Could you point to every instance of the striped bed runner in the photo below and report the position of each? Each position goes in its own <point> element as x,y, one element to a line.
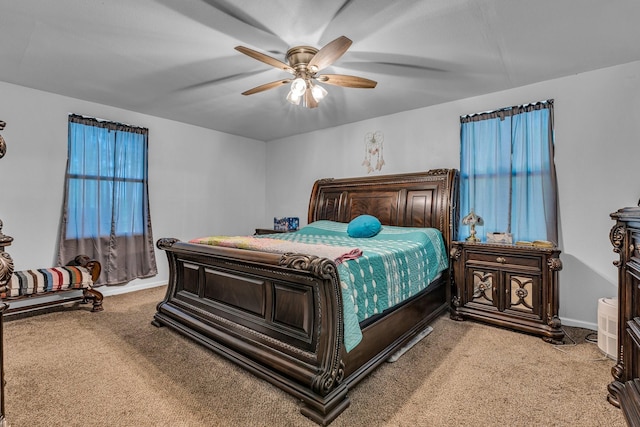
<point>28,282</point>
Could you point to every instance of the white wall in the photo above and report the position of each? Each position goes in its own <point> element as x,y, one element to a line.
<point>201,182</point>
<point>204,182</point>
<point>597,127</point>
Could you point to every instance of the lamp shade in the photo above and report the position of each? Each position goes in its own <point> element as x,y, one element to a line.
<point>318,92</point>
<point>298,86</point>
<point>294,98</point>
<point>472,219</point>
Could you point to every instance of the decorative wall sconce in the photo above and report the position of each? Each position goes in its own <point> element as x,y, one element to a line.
<point>472,220</point>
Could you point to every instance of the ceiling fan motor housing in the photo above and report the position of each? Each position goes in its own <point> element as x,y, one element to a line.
<point>299,57</point>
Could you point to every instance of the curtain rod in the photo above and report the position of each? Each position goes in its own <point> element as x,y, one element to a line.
<point>78,118</point>
<point>508,109</point>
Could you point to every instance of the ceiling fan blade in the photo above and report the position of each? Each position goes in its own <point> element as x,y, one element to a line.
<point>265,58</point>
<point>309,100</point>
<point>329,53</point>
<point>266,86</point>
<point>370,16</point>
<point>394,64</point>
<point>224,79</point>
<point>225,17</point>
<point>347,81</point>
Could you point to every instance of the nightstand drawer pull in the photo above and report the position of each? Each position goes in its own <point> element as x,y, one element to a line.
<point>501,259</point>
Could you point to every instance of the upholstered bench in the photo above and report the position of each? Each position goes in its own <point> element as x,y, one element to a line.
<point>31,290</point>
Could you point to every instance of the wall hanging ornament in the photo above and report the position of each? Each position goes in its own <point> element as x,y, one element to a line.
<point>373,158</point>
<point>3,145</point>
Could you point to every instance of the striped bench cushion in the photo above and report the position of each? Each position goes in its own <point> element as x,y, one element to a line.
<point>29,282</point>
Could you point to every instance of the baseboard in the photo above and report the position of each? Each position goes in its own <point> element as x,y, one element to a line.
<point>117,290</point>
<point>579,324</point>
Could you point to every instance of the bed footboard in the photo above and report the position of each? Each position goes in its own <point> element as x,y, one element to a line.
<point>279,316</point>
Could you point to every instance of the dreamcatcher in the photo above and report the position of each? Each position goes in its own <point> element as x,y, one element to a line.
<point>373,159</point>
<point>3,145</point>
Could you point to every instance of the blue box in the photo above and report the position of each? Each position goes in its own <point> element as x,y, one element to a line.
<point>293,222</point>
<point>287,223</point>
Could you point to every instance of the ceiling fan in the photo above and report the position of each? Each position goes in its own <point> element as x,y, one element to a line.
<point>305,62</point>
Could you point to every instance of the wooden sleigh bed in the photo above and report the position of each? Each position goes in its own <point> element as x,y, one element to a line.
<point>280,315</point>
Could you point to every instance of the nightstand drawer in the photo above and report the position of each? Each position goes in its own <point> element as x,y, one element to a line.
<point>500,258</point>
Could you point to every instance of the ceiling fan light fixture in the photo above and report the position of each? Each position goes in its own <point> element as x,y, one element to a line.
<point>294,98</point>
<point>298,86</point>
<point>318,92</point>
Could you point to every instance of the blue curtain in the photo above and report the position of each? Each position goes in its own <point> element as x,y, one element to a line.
<point>507,172</point>
<point>106,208</point>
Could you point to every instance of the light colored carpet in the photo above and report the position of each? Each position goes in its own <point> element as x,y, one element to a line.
<point>76,368</point>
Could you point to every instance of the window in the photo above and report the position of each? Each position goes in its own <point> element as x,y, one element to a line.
<point>507,173</point>
<point>106,208</point>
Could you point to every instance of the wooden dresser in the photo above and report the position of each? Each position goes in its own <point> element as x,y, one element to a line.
<point>508,285</point>
<point>6,270</point>
<point>624,390</point>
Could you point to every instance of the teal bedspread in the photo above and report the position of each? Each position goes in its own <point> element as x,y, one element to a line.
<point>395,265</point>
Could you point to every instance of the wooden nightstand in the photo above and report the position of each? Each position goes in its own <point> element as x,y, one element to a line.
<point>507,285</point>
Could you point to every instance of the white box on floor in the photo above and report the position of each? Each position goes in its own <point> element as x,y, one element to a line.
<point>608,326</point>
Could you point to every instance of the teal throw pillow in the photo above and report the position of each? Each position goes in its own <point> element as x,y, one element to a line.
<point>364,226</point>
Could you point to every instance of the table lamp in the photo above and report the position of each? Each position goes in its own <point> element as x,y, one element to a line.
<point>471,220</point>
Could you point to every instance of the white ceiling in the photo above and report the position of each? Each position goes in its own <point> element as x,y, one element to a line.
<point>176,59</point>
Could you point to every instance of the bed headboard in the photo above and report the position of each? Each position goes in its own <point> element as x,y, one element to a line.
<point>423,199</point>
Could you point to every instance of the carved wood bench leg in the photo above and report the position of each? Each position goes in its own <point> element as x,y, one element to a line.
<point>95,297</point>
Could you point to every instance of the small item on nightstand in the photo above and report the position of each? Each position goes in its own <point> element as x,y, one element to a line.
<point>287,223</point>
<point>543,244</point>
<point>293,223</point>
<point>471,220</point>
<point>505,238</point>
<point>536,243</point>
